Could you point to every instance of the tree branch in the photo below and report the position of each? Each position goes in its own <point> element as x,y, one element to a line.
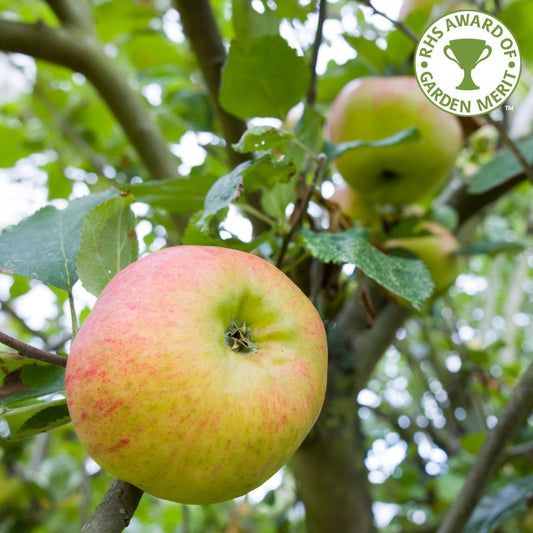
<point>311,93</point>
<point>201,28</point>
<point>511,418</point>
<point>398,24</point>
<point>301,208</point>
<point>26,350</point>
<point>527,168</point>
<point>72,13</point>
<point>79,51</point>
<point>469,205</point>
<point>114,512</point>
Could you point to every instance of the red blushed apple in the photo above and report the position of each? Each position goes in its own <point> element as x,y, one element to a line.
<point>197,374</point>
<point>373,108</point>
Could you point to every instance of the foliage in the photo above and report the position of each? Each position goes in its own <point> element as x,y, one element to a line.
<point>111,119</point>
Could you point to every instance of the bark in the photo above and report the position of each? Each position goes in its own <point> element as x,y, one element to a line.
<point>512,417</point>
<point>116,509</point>
<point>201,29</point>
<point>78,49</point>
<point>329,467</point>
<point>331,477</point>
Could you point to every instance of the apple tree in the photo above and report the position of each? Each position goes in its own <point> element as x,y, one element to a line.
<point>128,126</point>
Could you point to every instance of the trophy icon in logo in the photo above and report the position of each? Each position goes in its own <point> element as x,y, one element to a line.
<point>467,53</point>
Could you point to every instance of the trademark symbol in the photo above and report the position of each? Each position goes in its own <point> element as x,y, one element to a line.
<point>509,107</point>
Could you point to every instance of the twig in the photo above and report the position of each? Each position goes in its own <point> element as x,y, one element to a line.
<point>26,350</point>
<point>528,169</point>
<point>469,205</point>
<point>80,51</point>
<point>311,93</point>
<point>398,24</point>
<point>114,512</point>
<point>302,207</point>
<point>511,418</point>
<point>201,29</point>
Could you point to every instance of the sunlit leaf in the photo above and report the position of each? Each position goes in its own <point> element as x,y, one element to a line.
<point>179,195</point>
<point>108,242</point>
<point>44,246</point>
<point>263,77</point>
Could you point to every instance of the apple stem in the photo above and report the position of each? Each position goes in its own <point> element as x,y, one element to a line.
<point>238,338</point>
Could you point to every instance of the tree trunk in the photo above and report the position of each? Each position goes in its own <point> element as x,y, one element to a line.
<point>332,479</point>
<point>329,467</point>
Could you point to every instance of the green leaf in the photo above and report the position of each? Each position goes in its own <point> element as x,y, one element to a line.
<point>150,49</point>
<point>12,141</point>
<point>22,379</point>
<point>491,248</point>
<point>274,201</point>
<point>44,246</point>
<point>265,172</point>
<point>108,242</point>
<point>247,22</point>
<point>508,502</point>
<point>310,130</point>
<point>223,192</point>
<point>333,151</point>
<point>263,77</point>
<point>407,278</point>
<point>501,168</point>
<point>179,195</point>
<point>262,138</point>
<point>30,420</point>
<point>369,51</point>
<point>473,442</point>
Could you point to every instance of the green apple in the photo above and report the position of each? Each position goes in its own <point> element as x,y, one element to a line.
<point>197,374</point>
<point>434,245</point>
<point>353,205</point>
<point>376,107</point>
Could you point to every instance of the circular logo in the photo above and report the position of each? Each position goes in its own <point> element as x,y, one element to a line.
<point>467,63</point>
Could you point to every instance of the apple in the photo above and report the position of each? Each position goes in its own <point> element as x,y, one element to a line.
<point>434,245</point>
<point>376,107</point>
<point>353,205</point>
<point>197,374</point>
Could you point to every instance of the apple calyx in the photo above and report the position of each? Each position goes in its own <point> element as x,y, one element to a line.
<point>238,338</point>
<point>389,175</point>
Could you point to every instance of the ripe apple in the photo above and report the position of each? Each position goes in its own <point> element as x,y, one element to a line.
<point>376,107</point>
<point>434,245</point>
<point>197,374</point>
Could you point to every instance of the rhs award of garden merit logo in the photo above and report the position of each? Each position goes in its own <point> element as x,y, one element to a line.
<point>467,63</point>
